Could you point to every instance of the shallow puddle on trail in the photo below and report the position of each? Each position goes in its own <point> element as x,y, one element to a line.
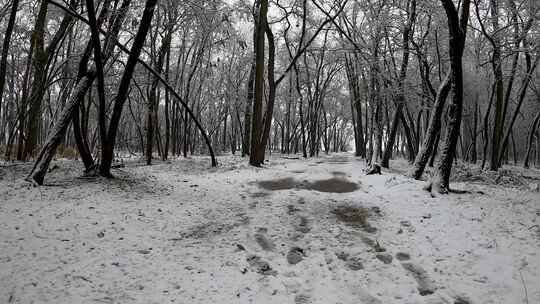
<point>331,185</point>
<point>278,184</point>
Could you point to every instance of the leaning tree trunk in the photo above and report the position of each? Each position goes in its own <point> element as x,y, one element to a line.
<point>433,130</point>
<point>521,98</point>
<point>109,46</point>
<point>457,31</point>
<point>43,56</point>
<point>59,130</point>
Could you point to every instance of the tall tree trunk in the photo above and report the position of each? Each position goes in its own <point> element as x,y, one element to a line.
<point>532,131</point>
<point>81,139</point>
<point>474,135</point>
<point>247,113</point>
<point>39,63</point>
<point>301,110</point>
<point>272,86</point>
<point>167,111</point>
<point>485,131</point>
<point>400,98</point>
<point>153,101</point>
<point>98,61</point>
<point>107,151</point>
<point>257,127</point>
<point>496,62</point>
<point>24,104</point>
<point>376,104</point>
<point>356,108</point>
<point>5,47</point>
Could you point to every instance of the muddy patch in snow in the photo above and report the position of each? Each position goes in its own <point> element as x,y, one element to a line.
<point>278,184</point>
<point>356,217</point>
<point>331,185</point>
<point>353,216</point>
<point>211,229</point>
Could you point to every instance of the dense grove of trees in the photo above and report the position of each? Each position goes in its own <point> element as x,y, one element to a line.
<point>430,81</point>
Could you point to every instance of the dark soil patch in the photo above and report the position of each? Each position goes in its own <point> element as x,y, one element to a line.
<point>352,215</point>
<point>333,185</point>
<point>278,184</point>
<point>207,230</point>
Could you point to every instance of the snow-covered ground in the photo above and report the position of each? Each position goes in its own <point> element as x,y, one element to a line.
<point>296,231</point>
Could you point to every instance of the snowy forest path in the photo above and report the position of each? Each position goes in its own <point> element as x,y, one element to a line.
<point>296,231</point>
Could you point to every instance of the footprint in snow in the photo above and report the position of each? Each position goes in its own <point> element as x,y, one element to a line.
<point>295,255</point>
<point>403,256</point>
<point>302,299</point>
<point>426,285</point>
<point>257,264</point>
<point>263,241</point>
<point>303,225</point>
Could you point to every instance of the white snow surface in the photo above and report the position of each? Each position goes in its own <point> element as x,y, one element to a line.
<point>182,232</point>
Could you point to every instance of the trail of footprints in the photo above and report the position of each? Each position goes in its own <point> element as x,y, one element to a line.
<point>425,285</point>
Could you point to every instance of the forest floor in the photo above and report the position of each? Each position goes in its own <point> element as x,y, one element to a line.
<point>297,231</point>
